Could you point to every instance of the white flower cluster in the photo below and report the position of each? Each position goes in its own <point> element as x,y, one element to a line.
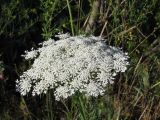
<point>71,64</point>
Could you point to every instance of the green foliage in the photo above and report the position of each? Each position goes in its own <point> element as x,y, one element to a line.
<point>15,18</point>
<point>132,25</point>
<point>48,8</point>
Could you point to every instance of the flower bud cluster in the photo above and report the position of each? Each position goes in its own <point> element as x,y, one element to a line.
<point>72,64</point>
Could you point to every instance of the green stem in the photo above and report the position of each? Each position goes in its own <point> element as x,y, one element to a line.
<point>49,105</point>
<point>155,85</point>
<point>82,108</point>
<point>71,19</point>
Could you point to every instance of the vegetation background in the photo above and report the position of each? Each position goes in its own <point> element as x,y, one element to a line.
<point>133,25</point>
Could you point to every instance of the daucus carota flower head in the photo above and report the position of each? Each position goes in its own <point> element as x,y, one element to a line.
<point>72,64</point>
